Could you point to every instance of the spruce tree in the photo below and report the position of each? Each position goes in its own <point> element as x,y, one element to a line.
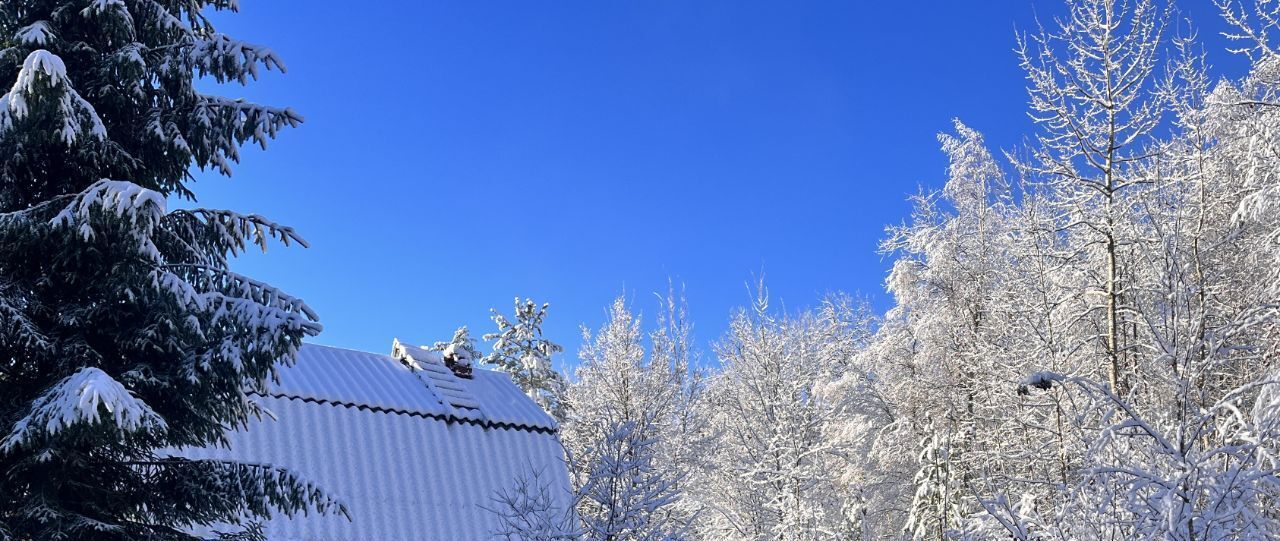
<point>124,334</point>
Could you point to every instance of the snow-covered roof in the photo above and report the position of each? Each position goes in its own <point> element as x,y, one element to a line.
<point>414,453</point>
<point>344,376</point>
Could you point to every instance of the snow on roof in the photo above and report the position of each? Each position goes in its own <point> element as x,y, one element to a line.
<point>414,454</point>
<point>437,374</point>
<point>343,376</point>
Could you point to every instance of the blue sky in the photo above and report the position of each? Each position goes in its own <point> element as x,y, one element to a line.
<point>459,153</point>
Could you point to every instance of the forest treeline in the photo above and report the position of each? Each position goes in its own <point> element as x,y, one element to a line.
<point>1083,341</point>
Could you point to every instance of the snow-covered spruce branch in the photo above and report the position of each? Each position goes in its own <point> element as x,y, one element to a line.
<point>43,83</point>
<point>106,203</point>
<point>225,58</point>
<point>199,233</point>
<point>89,396</point>
<point>16,325</point>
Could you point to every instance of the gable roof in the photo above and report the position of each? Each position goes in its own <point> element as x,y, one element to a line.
<point>381,382</point>
<point>414,453</point>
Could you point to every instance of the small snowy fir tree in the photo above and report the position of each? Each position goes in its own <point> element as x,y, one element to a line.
<point>123,330</point>
<point>460,349</point>
<point>520,350</point>
<point>934,510</point>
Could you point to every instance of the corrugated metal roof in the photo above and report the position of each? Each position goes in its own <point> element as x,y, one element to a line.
<point>402,477</point>
<point>409,464</point>
<point>344,376</point>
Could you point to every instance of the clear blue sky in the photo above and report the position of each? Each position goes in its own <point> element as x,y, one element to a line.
<point>459,153</point>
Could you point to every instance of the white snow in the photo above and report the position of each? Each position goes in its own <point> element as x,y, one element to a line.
<point>83,397</point>
<point>74,110</point>
<point>459,354</point>
<point>98,7</point>
<point>121,197</point>
<point>37,33</point>
<point>41,62</point>
<point>142,207</point>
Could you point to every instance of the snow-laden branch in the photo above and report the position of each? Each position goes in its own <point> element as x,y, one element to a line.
<point>43,76</point>
<point>89,396</point>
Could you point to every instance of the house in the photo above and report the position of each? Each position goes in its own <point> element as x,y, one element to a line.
<point>415,445</point>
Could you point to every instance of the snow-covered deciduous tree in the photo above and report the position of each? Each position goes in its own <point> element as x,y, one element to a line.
<point>626,494</point>
<point>123,330</point>
<point>520,349</point>
<point>531,510</point>
<point>1097,359</point>
<point>1091,83</point>
<point>773,469</point>
<point>627,417</point>
<point>686,434</point>
<point>925,378</point>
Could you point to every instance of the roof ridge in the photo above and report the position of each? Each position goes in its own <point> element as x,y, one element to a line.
<point>476,366</point>
<point>327,346</point>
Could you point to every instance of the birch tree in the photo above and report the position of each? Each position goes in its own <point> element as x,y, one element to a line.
<point>1090,83</point>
